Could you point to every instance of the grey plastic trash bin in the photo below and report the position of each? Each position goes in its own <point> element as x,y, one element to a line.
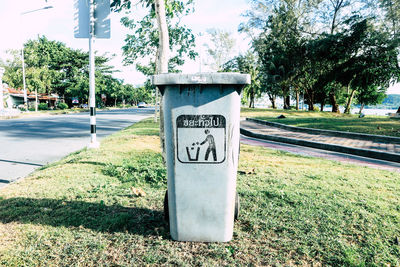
<point>202,130</point>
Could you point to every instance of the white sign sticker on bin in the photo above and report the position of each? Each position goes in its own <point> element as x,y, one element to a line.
<point>201,139</point>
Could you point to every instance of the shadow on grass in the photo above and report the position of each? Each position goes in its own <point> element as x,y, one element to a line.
<point>95,163</point>
<point>95,216</point>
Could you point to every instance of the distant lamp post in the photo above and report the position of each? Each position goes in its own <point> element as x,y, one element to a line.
<point>23,61</point>
<point>1,89</point>
<point>200,50</point>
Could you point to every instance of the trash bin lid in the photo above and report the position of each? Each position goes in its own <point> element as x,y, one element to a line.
<point>201,78</point>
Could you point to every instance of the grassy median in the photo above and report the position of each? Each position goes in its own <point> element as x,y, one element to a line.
<point>104,208</point>
<point>379,125</point>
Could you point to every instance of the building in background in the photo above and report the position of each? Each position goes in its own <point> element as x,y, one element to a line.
<point>15,98</point>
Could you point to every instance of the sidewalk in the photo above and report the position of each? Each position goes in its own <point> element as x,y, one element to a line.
<point>378,147</point>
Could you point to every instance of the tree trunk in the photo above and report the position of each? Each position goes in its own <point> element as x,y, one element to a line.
<point>310,106</point>
<point>163,45</point>
<point>115,102</point>
<point>322,106</point>
<point>348,104</point>
<point>310,100</point>
<point>272,99</point>
<point>49,103</point>
<point>162,60</point>
<point>335,106</point>
<point>297,99</point>
<point>273,102</point>
<point>398,110</point>
<point>251,104</point>
<point>361,108</point>
<point>286,102</point>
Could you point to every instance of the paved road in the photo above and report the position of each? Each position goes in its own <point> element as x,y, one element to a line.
<point>28,143</point>
<point>307,151</point>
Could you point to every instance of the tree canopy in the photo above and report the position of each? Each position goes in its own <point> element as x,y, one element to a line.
<point>141,44</point>
<point>333,51</point>
<point>52,67</point>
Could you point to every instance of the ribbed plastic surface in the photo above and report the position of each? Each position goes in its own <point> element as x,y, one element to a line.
<point>201,78</point>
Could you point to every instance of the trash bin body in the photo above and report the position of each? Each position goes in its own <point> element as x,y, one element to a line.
<point>202,130</point>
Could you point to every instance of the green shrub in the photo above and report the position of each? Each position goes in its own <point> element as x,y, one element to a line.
<point>43,106</point>
<point>62,106</point>
<point>144,168</point>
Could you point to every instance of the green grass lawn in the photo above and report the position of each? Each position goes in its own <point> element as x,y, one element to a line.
<point>104,208</point>
<point>380,125</point>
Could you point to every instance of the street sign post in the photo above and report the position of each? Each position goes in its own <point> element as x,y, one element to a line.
<point>1,88</point>
<point>101,15</point>
<point>92,21</point>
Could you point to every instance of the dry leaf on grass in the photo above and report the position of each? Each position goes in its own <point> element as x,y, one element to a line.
<point>252,171</point>
<point>138,192</point>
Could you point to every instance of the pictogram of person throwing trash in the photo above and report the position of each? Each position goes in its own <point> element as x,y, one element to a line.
<point>211,145</point>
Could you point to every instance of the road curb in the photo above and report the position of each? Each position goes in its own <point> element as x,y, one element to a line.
<point>336,148</point>
<point>368,137</point>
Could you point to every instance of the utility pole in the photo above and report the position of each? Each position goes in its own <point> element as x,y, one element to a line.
<point>200,51</point>
<point>92,87</point>
<point>23,62</point>
<point>23,80</point>
<point>1,89</point>
<point>92,21</point>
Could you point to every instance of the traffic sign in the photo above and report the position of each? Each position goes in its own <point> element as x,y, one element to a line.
<point>101,19</point>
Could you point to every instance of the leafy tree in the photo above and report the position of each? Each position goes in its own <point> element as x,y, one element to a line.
<point>52,67</point>
<point>261,10</point>
<point>391,20</point>
<point>270,83</point>
<point>148,40</point>
<point>391,12</point>
<point>336,17</point>
<point>143,42</point>
<point>331,14</point>
<point>360,59</point>
<point>279,49</point>
<point>47,58</point>
<point>113,88</point>
<point>220,48</point>
<point>13,69</point>
<point>247,64</point>
<point>157,41</point>
<point>139,94</point>
<point>317,31</point>
<point>370,95</point>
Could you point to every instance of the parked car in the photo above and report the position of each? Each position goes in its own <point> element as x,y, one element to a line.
<point>141,105</point>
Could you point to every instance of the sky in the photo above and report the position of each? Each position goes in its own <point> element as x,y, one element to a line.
<point>57,24</point>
